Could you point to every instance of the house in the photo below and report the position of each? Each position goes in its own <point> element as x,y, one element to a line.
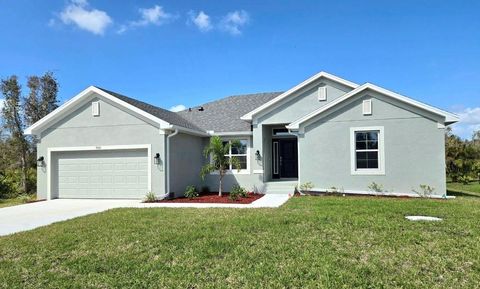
<point>326,130</point>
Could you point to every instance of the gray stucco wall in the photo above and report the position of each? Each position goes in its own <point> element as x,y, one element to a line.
<point>114,126</point>
<point>186,161</point>
<point>302,103</point>
<point>414,148</point>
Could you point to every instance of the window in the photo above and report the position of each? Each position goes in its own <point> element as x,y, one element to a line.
<point>367,150</point>
<point>280,132</point>
<point>242,154</point>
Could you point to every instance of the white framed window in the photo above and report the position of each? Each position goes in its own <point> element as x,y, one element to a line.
<point>242,153</point>
<point>367,150</point>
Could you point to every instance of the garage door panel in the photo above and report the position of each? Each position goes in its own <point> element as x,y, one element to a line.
<point>102,174</point>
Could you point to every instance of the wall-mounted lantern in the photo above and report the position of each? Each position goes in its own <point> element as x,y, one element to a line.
<point>156,159</point>
<point>41,162</point>
<point>257,155</point>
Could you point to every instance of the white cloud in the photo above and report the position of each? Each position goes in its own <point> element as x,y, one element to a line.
<point>201,20</point>
<point>234,21</point>
<point>2,103</point>
<point>79,12</point>
<point>178,107</point>
<point>469,122</point>
<point>155,15</point>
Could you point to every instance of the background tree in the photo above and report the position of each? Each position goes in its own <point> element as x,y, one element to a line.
<point>13,123</point>
<point>217,150</point>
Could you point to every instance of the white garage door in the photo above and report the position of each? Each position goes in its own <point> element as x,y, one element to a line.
<point>102,174</point>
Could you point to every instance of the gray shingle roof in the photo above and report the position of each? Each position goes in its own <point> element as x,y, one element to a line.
<point>221,115</point>
<point>166,115</point>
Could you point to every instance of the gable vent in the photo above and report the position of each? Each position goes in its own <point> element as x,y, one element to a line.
<point>322,93</point>
<point>96,108</point>
<point>367,107</point>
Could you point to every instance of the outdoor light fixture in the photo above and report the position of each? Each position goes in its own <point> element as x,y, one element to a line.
<point>257,155</point>
<point>156,159</point>
<point>41,162</point>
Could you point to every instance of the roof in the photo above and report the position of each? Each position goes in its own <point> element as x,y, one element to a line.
<point>224,115</point>
<point>449,117</point>
<point>322,74</point>
<point>166,115</point>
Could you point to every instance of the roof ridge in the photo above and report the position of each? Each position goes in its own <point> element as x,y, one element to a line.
<point>230,97</point>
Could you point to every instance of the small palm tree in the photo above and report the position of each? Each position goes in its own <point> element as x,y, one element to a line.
<point>218,150</point>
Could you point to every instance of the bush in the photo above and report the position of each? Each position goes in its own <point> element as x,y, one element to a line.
<point>237,192</point>
<point>26,198</point>
<point>306,187</point>
<point>191,192</point>
<point>464,179</point>
<point>205,190</point>
<point>150,197</point>
<point>374,187</point>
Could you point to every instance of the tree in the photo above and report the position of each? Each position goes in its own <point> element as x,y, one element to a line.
<point>13,123</point>
<point>217,150</point>
<point>42,98</point>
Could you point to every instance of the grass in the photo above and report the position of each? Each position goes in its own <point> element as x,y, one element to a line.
<point>335,242</point>
<point>472,188</point>
<point>10,202</point>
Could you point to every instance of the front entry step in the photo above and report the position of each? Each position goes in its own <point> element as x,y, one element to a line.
<point>280,187</point>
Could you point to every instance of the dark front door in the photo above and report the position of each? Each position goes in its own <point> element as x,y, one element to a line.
<point>285,158</point>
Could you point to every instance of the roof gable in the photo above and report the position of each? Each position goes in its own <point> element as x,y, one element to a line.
<point>449,117</point>
<point>249,116</point>
<point>164,119</point>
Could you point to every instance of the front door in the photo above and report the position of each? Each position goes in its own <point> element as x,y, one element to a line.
<point>285,159</point>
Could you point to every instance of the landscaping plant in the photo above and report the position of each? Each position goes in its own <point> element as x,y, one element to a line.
<point>306,187</point>
<point>150,197</point>
<point>190,192</point>
<point>217,150</point>
<point>237,192</point>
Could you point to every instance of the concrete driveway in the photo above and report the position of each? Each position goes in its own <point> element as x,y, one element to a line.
<point>30,216</point>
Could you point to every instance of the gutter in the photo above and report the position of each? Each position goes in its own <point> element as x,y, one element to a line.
<point>167,167</point>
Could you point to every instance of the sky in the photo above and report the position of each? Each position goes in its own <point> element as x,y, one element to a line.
<point>176,54</point>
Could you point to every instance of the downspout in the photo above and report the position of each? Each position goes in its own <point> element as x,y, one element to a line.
<point>167,167</point>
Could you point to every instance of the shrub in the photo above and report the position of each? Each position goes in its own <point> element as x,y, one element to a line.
<point>464,179</point>
<point>237,192</point>
<point>425,191</point>
<point>26,198</point>
<point>374,187</point>
<point>205,190</point>
<point>306,187</point>
<point>150,197</point>
<point>190,192</point>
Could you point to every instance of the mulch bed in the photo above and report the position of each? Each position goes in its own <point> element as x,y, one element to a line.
<point>214,198</point>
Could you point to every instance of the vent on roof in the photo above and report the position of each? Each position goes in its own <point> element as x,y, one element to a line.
<point>322,93</point>
<point>367,107</point>
<point>96,108</point>
<point>201,108</point>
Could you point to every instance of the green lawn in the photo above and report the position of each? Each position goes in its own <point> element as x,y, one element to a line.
<point>334,242</point>
<point>472,188</point>
<point>10,202</point>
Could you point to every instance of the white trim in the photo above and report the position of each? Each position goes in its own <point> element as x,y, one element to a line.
<point>96,148</point>
<point>449,117</point>
<point>275,157</point>
<point>258,171</point>
<point>381,151</point>
<point>323,74</point>
<point>229,133</point>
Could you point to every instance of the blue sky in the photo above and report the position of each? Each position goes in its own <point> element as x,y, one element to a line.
<point>172,53</point>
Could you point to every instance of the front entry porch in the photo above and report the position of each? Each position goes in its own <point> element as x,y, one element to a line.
<point>284,159</point>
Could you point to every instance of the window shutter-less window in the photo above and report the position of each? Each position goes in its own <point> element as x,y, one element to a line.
<point>367,107</point>
<point>322,93</point>
<point>96,108</point>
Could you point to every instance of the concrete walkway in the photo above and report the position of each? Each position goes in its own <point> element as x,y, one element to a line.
<point>30,216</point>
